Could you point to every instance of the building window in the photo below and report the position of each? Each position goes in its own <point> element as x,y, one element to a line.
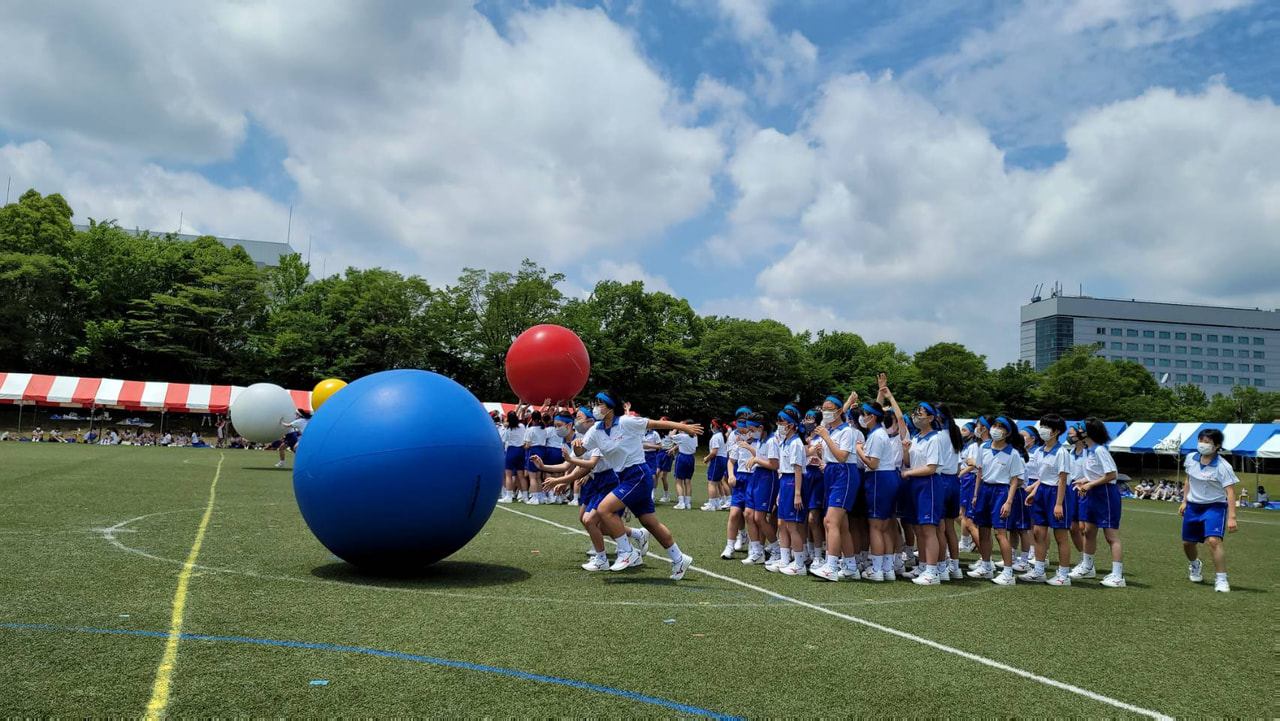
<point>1257,340</point>
<point>1259,369</point>
<point>1164,362</point>
<point>1148,334</point>
<point>1212,338</point>
<point>1211,351</point>
<point>1195,336</point>
<point>1197,350</point>
<point>1180,364</point>
<point>1165,349</point>
<point>1131,332</point>
<point>1197,364</point>
<point>1259,382</point>
<point>1116,331</point>
<point>1149,362</point>
<point>1180,350</point>
<point>1228,380</point>
<point>1228,353</point>
<point>1116,359</point>
<point>1211,365</point>
<point>1102,331</point>
<point>1181,377</point>
<point>1197,378</point>
<point>1054,336</point>
<point>1213,380</point>
<point>1227,339</point>
<point>1149,347</point>
<point>1131,346</point>
<point>1117,346</point>
<point>1228,366</point>
<point>1164,334</point>
<point>1243,340</point>
<point>1259,355</point>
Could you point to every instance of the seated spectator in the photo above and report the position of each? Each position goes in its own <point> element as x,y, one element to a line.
<point>90,437</point>
<point>166,439</point>
<point>37,435</point>
<point>4,436</point>
<point>1263,498</point>
<point>55,436</point>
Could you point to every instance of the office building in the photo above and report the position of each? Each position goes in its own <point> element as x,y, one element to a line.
<point>265,253</point>
<point>1210,347</point>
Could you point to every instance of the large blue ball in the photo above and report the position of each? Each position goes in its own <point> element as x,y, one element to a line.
<point>398,470</point>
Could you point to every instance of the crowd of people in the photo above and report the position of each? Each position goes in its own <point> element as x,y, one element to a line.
<point>854,490</point>
<point>222,436</point>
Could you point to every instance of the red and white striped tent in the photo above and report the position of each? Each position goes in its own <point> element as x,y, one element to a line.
<point>70,391</point>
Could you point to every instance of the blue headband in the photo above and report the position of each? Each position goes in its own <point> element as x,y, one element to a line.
<point>750,424</point>
<point>742,410</point>
<point>835,400</point>
<point>871,411</point>
<point>983,421</point>
<point>564,419</point>
<point>587,412</point>
<point>970,426</point>
<point>607,400</point>
<point>930,409</point>
<point>789,415</point>
<point>1006,423</point>
<point>811,414</point>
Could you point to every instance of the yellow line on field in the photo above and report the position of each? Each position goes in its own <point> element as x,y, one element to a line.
<point>164,673</point>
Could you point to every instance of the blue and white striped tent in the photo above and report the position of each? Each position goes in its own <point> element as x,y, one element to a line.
<point>1261,440</point>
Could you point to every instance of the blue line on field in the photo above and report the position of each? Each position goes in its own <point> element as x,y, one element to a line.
<point>694,710</point>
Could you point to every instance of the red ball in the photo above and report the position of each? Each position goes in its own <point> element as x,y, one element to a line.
<point>547,361</point>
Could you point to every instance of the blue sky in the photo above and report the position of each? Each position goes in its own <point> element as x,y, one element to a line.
<point>810,161</point>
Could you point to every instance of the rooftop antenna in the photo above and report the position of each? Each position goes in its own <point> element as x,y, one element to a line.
<point>308,250</point>
<point>288,233</point>
<point>180,217</point>
<point>6,189</point>
<point>1035,292</point>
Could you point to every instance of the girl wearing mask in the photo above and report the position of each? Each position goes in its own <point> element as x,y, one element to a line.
<point>950,444</point>
<point>1101,509</point>
<point>1023,538</point>
<point>1002,466</point>
<point>792,501</point>
<point>761,465</point>
<point>1050,512</point>
<point>923,461</point>
<point>881,492</point>
<point>535,440</point>
<point>968,474</point>
<point>736,532</point>
<point>842,480</point>
<point>513,434</point>
<point>1208,507</point>
<point>815,549</point>
<point>716,470</point>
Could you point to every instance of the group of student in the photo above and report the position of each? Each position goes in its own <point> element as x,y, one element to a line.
<point>859,490</point>
<point>1148,489</point>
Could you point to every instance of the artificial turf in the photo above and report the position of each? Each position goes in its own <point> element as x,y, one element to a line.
<point>513,606</point>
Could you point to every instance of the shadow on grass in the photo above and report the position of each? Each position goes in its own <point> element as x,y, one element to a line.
<point>269,469</point>
<point>437,576</point>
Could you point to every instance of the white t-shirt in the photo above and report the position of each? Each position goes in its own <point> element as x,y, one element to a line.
<point>894,453</point>
<point>925,452</point>
<point>715,443</point>
<point>879,446</point>
<point>297,424</point>
<point>948,457</point>
<point>792,456</point>
<point>843,437</point>
<point>1209,483</point>
<point>513,437</point>
<point>1002,466</point>
<point>622,443</point>
<point>1098,463</point>
<point>1052,463</point>
<point>667,442</point>
<point>685,443</point>
<point>1033,465</point>
<point>535,436</point>
<point>768,450</point>
<point>602,464</point>
<point>740,454</point>
<point>653,438</point>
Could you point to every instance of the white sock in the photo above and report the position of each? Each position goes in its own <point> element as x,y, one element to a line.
<point>1117,569</point>
<point>1220,576</point>
<point>833,561</point>
<point>756,549</point>
<point>601,557</point>
<point>786,556</point>
<point>596,550</point>
<point>1039,568</point>
<point>851,564</point>
<point>1008,570</point>
<point>800,558</point>
<point>624,545</point>
<point>674,553</point>
<point>1063,571</point>
<point>635,533</point>
<point>1087,560</point>
<point>877,564</point>
<point>1022,557</point>
<point>742,535</point>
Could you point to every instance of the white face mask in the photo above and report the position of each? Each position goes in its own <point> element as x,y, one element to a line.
<point>598,411</point>
<point>756,434</point>
<point>865,421</point>
<point>562,431</point>
<point>1046,435</point>
<point>997,434</point>
<point>1204,447</point>
<point>582,426</point>
<point>828,417</point>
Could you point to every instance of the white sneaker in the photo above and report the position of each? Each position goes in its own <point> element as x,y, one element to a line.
<point>873,575</point>
<point>678,569</point>
<point>1004,579</point>
<point>595,564</point>
<point>574,502</point>
<point>792,569</point>
<point>533,501</point>
<point>1194,571</point>
<point>956,574</point>
<point>944,576</point>
<point>1113,582</point>
<point>845,573</point>
<point>981,573</point>
<point>757,560</point>
<point>1021,566</point>
<point>727,553</point>
<point>1221,586</point>
<point>1081,572</point>
<point>665,498</point>
<point>626,561</point>
<point>739,544</point>
<point>642,545</point>
<point>914,573</point>
<point>1059,580</point>
<point>773,565</point>
<point>975,565</point>
<point>928,578</point>
<point>826,573</point>
<point>504,499</point>
<point>1033,577</point>
<point>890,576</point>
<point>280,464</point>
<point>966,545</point>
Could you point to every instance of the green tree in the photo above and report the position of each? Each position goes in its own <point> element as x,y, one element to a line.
<point>1016,390</point>
<point>951,373</point>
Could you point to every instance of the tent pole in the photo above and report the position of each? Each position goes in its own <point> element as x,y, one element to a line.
<point>19,418</point>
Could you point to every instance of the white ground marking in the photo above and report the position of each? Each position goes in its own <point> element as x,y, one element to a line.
<point>900,634</point>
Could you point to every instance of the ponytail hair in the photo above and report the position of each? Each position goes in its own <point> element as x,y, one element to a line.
<point>949,425</point>
<point>1097,430</point>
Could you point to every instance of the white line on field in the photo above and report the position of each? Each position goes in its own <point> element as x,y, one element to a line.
<point>1175,513</point>
<point>895,632</point>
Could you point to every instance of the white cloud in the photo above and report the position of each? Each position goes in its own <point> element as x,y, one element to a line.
<point>910,227</point>
<point>419,138</point>
<point>627,272</point>
<point>783,61</point>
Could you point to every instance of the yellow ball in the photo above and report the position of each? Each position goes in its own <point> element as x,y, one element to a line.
<point>324,390</point>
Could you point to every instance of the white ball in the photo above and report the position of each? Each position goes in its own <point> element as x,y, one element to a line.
<point>260,410</point>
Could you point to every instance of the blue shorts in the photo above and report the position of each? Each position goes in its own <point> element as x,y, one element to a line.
<point>882,494</point>
<point>1020,514</point>
<point>537,451</point>
<point>817,496</point>
<point>291,440</point>
<point>635,489</point>
<point>786,507</point>
<point>1102,506</point>
<point>651,458</point>
<point>950,495</point>
<point>596,488</point>
<point>515,460</point>
<point>926,491</point>
<point>665,461</point>
<point>717,469</point>
<point>986,512</point>
<point>967,482</point>
<point>684,467</point>
<point>762,494</point>
<point>841,481</point>
<point>905,508</point>
<point>552,455</point>
<point>1204,520</point>
<point>740,492</point>
<point>1042,508</point>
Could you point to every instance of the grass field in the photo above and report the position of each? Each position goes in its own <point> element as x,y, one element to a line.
<point>95,540</point>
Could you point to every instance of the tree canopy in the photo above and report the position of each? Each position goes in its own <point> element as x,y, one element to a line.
<point>106,302</point>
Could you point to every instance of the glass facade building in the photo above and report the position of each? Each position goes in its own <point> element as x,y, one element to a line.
<point>1210,347</point>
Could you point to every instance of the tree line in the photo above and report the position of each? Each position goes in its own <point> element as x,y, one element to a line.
<point>107,302</point>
